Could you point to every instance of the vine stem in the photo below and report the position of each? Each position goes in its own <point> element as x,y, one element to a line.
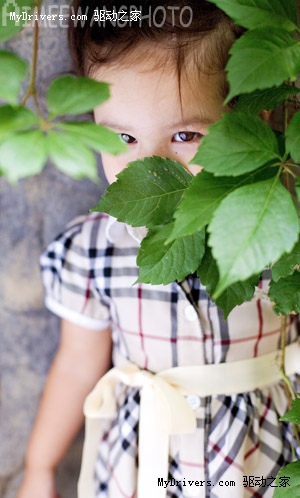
<point>31,89</point>
<point>285,116</point>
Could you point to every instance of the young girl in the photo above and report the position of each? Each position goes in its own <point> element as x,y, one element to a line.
<point>189,409</point>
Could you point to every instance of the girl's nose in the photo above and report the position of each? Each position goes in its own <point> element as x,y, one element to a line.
<point>159,149</point>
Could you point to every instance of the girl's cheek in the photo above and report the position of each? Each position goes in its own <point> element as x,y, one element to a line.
<point>184,153</point>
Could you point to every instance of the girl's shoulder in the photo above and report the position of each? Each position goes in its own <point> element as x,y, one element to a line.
<point>92,236</point>
<point>69,265</point>
<point>80,238</point>
<point>88,230</point>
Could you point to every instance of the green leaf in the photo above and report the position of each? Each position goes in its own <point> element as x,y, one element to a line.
<point>162,264</point>
<point>200,201</point>
<point>286,294</point>
<point>251,228</point>
<point>203,196</point>
<point>71,157</point>
<point>252,14</point>
<point>237,144</point>
<point>237,294</point>
<point>293,137</point>
<point>23,154</point>
<point>288,481</point>
<point>208,271</point>
<point>68,95</point>
<point>15,119</point>
<point>10,26</point>
<point>255,56</point>
<point>293,415</point>
<point>97,137</point>
<point>287,264</point>
<point>268,99</point>
<point>234,295</point>
<point>146,193</point>
<point>13,72</point>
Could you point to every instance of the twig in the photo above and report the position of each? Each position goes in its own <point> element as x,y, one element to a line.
<point>31,89</point>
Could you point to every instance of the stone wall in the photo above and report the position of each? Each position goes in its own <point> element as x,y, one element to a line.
<point>32,213</point>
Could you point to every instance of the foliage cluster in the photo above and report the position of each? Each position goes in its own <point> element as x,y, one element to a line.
<point>28,137</point>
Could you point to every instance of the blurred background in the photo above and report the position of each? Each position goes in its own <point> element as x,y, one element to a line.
<point>32,213</point>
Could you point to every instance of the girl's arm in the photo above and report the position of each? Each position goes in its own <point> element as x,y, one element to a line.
<point>83,356</point>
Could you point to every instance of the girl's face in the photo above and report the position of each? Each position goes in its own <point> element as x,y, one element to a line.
<point>149,114</point>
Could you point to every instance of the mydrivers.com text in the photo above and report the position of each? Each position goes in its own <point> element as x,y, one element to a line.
<point>248,482</point>
<point>49,16</point>
<point>188,483</point>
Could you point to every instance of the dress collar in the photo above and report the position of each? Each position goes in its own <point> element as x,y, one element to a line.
<point>115,229</point>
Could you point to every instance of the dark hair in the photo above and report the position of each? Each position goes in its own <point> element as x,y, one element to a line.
<point>93,43</point>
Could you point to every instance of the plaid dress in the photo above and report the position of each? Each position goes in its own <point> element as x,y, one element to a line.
<point>239,445</point>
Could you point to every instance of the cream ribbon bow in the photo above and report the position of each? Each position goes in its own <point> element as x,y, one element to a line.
<point>164,410</point>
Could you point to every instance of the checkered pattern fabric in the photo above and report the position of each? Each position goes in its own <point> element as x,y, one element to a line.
<point>88,273</point>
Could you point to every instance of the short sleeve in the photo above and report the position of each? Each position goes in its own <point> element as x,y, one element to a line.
<point>68,274</point>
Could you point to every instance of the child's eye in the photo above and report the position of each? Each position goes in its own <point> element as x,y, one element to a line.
<point>128,139</point>
<point>186,136</point>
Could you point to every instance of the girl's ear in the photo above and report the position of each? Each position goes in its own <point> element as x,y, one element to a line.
<point>265,116</point>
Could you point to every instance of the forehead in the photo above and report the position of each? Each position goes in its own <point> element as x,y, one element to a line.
<point>155,90</point>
